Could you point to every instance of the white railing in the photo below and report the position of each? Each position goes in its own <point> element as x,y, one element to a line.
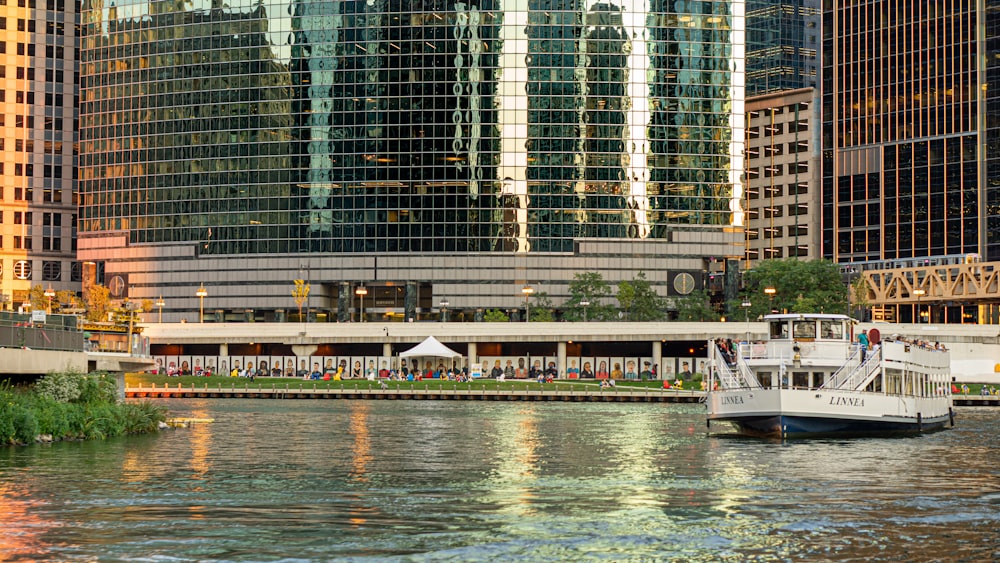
<point>854,375</point>
<point>740,378</point>
<point>844,372</point>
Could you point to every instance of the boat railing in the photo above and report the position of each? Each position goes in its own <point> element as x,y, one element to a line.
<point>845,371</point>
<point>860,376</point>
<point>735,376</point>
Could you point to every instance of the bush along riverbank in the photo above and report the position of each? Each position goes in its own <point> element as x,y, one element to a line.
<point>71,406</point>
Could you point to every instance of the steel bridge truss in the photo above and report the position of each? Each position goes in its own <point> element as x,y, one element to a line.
<point>974,283</point>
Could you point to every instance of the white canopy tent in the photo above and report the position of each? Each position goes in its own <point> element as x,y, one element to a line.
<point>430,348</point>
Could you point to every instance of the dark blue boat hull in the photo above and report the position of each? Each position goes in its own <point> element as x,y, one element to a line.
<point>802,426</point>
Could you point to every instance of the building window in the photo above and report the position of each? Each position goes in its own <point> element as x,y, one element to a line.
<point>51,271</point>
<point>22,270</point>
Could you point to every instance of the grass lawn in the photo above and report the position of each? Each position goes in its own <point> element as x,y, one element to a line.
<point>134,380</point>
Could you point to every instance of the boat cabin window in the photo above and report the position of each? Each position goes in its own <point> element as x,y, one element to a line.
<point>833,330</point>
<point>804,329</point>
<point>779,330</point>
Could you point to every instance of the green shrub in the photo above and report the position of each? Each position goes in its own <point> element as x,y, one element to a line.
<point>63,387</point>
<point>7,414</point>
<point>98,388</point>
<point>25,426</point>
<point>70,406</point>
<point>54,418</point>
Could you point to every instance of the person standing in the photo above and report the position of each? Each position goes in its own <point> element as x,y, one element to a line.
<point>863,344</point>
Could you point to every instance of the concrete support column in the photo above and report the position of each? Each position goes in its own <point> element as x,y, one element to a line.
<point>561,362</point>
<point>658,357</point>
<point>223,349</point>
<point>473,358</point>
<point>387,351</point>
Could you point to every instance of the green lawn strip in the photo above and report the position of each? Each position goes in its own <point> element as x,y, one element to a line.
<point>144,380</point>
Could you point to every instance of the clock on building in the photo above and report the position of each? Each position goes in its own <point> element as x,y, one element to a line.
<point>117,286</point>
<point>684,283</point>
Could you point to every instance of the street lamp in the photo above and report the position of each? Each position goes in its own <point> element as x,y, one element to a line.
<point>527,290</point>
<point>50,293</point>
<point>361,291</point>
<point>129,307</point>
<point>770,291</point>
<point>202,293</point>
<point>585,303</point>
<point>444,309</point>
<point>159,303</point>
<point>746,315</point>
<point>920,293</point>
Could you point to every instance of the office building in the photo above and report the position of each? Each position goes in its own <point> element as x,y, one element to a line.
<point>783,187</point>
<point>909,170</point>
<point>433,152</point>
<point>37,101</point>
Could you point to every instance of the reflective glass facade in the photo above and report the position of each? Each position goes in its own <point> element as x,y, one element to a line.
<point>429,126</point>
<point>907,133</point>
<point>783,41</point>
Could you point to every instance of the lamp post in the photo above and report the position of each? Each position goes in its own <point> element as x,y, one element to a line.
<point>50,293</point>
<point>159,303</point>
<point>920,293</point>
<point>527,290</point>
<point>770,291</point>
<point>444,309</point>
<point>746,315</point>
<point>131,319</point>
<point>585,303</point>
<point>202,293</point>
<point>361,291</point>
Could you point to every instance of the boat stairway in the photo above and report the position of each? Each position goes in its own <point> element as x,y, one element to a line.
<point>732,376</point>
<point>855,375</point>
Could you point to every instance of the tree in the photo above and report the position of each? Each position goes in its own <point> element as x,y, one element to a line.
<point>813,286</point>
<point>639,300</point>
<point>860,296</point>
<point>695,307</point>
<point>98,301</point>
<point>542,310</point>
<point>590,287</point>
<point>495,316</point>
<point>300,294</point>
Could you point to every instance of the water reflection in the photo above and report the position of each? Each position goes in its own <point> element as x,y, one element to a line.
<point>482,482</point>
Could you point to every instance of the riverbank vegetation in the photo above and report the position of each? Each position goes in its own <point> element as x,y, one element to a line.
<point>71,406</point>
<point>137,380</point>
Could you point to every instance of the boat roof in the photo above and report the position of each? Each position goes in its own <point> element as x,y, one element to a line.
<point>805,316</point>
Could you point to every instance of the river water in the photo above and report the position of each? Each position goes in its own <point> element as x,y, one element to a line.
<point>471,481</point>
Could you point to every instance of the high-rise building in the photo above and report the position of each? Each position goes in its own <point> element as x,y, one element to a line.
<point>909,167</point>
<point>783,42</point>
<point>783,188</point>
<point>438,149</point>
<point>37,198</point>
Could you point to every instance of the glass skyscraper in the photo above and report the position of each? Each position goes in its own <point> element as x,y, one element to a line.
<point>426,149</point>
<point>783,42</point>
<point>908,133</point>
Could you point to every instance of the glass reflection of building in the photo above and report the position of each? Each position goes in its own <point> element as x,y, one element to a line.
<point>519,141</point>
<point>783,40</point>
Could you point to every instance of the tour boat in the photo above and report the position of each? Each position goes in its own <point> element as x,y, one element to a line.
<point>810,378</point>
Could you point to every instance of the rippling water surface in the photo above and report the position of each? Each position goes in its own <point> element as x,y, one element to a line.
<point>470,481</point>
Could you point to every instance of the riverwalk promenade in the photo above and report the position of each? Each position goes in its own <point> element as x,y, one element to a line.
<point>404,391</point>
<point>396,391</point>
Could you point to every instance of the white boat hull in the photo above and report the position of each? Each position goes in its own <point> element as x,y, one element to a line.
<point>801,412</point>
